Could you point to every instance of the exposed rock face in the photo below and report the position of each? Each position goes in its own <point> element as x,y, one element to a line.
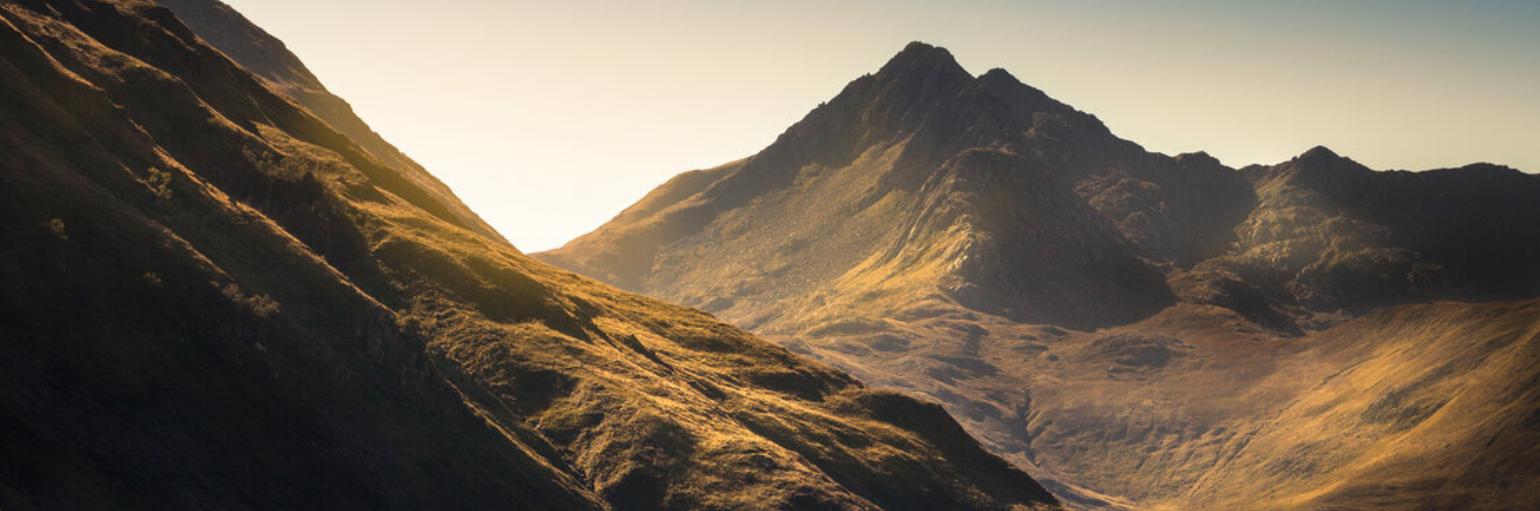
<point>1123,323</point>
<point>214,299</point>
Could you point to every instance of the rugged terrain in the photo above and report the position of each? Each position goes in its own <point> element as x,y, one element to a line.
<point>219,295</point>
<point>1139,330</point>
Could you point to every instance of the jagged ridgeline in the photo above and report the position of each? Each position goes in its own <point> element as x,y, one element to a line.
<point>221,291</point>
<point>923,177</point>
<point>1138,330</point>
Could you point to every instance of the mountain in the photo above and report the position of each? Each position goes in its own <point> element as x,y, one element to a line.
<point>217,298</point>
<point>1133,328</point>
<point>904,186</point>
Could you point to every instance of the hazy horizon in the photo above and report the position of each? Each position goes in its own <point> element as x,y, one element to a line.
<point>549,119</point>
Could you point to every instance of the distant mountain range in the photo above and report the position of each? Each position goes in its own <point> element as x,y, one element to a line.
<point>1141,331</point>
<point>221,290</point>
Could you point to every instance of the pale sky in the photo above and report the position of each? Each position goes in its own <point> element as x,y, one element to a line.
<point>548,118</point>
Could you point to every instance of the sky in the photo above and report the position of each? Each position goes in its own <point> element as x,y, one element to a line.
<point>548,118</point>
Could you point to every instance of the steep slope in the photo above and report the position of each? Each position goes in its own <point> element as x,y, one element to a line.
<point>214,299</point>
<point>267,57</point>
<point>1119,322</point>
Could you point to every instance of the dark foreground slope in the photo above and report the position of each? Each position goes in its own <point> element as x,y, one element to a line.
<point>213,299</point>
<point>1132,327</point>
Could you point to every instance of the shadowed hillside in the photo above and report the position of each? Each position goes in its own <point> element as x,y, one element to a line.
<point>1140,331</point>
<point>265,56</point>
<point>216,299</point>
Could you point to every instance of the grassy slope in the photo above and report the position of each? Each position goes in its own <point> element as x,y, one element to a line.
<point>1428,406</point>
<point>295,325</point>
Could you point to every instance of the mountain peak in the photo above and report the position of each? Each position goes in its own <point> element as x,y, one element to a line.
<point>1202,158</point>
<point>923,48</point>
<point>1319,152</point>
<point>1001,75</point>
<point>924,59</point>
<point>1322,168</point>
<point>1320,160</point>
